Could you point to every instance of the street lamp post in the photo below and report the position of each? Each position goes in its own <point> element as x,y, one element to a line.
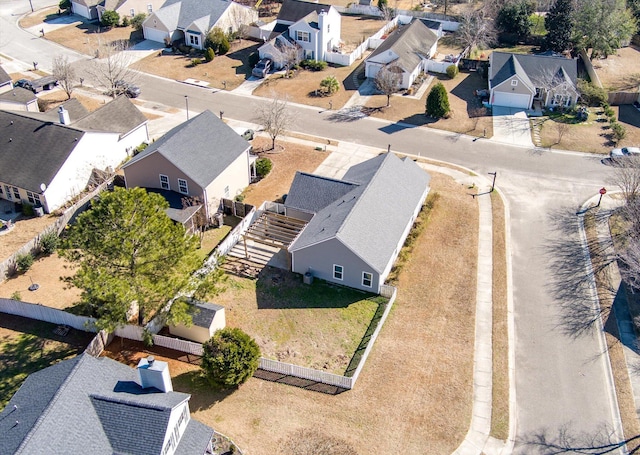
<point>31,5</point>
<point>186,100</point>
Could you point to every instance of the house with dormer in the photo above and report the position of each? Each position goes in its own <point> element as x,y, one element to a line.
<point>313,27</point>
<point>191,20</point>
<point>101,407</point>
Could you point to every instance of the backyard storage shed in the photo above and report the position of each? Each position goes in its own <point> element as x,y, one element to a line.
<point>358,224</point>
<point>207,318</point>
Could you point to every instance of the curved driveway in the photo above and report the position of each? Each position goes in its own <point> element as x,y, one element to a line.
<point>561,382</point>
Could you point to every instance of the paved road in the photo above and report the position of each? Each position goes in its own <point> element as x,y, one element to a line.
<point>560,381</point>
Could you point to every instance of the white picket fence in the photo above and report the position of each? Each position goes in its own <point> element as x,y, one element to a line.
<point>306,373</point>
<point>44,313</point>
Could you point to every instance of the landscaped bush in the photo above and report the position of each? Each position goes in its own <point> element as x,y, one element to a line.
<point>438,102</point>
<point>110,19</point>
<point>229,358</point>
<point>619,131</point>
<point>49,242</point>
<point>209,54</point>
<point>313,65</point>
<point>24,262</point>
<point>263,167</point>
<point>196,61</point>
<point>16,295</point>
<point>64,5</point>
<point>609,112</point>
<point>137,20</point>
<point>27,209</point>
<point>452,71</point>
<point>218,41</point>
<point>590,94</point>
<point>126,21</point>
<point>329,85</point>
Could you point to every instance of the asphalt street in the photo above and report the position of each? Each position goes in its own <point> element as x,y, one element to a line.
<point>562,384</point>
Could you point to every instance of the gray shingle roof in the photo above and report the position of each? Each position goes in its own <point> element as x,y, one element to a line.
<point>411,43</point>
<point>371,218</point>
<point>205,314</point>
<point>535,69</point>
<point>312,193</point>
<point>202,147</point>
<point>191,441</point>
<point>75,109</point>
<point>89,405</point>
<point>119,116</point>
<point>4,76</point>
<point>33,150</point>
<point>294,10</point>
<point>189,11</point>
<point>18,95</point>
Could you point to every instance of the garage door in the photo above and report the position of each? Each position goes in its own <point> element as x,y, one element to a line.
<point>511,100</point>
<point>154,34</point>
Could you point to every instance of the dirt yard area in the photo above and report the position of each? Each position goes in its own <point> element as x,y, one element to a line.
<point>53,99</point>
<point>86,37</point>
<point>27,346</point>
<point>620,72</point>
<point>46,271</point>
<point>468,115</point>
<point>295,157</point>
<point>414,395</point>
<point>303,86</point>
<point>232,68</point>
<point>355,30</point>
<point>594,135</point>
<point>24,230</point>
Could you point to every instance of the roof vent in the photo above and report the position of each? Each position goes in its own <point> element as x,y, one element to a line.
<point>12,122</point>
<point>63,116</point>
<point>154,373</point>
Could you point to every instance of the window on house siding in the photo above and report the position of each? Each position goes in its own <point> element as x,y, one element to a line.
<point>367,279</point>
<point>8,191</point>
<point>338,271</point>
<point>16,193</point>
<point>194,40</point>
<point>226,191</point>
<point>182,186</point>
<point>149,8</point>
<point>514,82</point>
<point>303,36</point>
<point>36,198</point>
<point>164,182</point>
<point>30,198</point>
<point>132,12</point>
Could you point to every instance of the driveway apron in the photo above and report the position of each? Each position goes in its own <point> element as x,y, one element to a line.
<point>511,126</point>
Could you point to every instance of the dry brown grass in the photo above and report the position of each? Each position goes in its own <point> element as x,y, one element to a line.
<point>355,29</point>
<point>39,16</point>
<point>500,403</point>
<point>295,157</point>
<point>415,392</point>
<point>86,37</point>
<point>25,229</point>
<point>53,99</point>
<point>593,135</point>
<point>233,67</point>
<point>301,88</point>
<point>465,117</point>
<point>47,272</point>
<point>620,71</point>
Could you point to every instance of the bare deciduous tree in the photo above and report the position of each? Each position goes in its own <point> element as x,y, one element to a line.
<point>475,30</point>
<point>274,118</point>
<point>561,129</point>
<point>387,80</point>
<point>112,65</point>
<point>308,441</point>
<point>240,19</point>
<point>65,74</point>
<point>627,177</point>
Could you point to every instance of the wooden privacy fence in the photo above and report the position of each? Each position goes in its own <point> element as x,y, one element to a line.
<point>235,208</point>
<point>618,98</point>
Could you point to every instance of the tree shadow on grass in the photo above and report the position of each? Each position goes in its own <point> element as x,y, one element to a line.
<point>203,394</point>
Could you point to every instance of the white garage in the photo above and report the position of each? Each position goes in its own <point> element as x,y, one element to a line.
<point>518,100</point>
<point>154,34</point>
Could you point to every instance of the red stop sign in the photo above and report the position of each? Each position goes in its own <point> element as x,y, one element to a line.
<point>603,191</point>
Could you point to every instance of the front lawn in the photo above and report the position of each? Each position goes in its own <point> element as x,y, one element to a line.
<point>86,37</point>
<point>28,345</point>
<point>223,72</point>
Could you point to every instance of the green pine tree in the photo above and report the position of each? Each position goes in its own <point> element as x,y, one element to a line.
<point>559,25</point>
<point>438,102</point>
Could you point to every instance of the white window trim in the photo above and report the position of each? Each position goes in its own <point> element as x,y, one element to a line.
<point>167,182</point>
<point>370,279</point>
<point>336,272</point>
<point>514,82</point>
<point>301,35</point>
<point>186,186</point>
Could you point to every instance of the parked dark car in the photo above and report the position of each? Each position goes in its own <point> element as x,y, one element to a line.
<point>262,68</point>
<point>44,83</point>
<point>131,90</point>
<point>23,83</point>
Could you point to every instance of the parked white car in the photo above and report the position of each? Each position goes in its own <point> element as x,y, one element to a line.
<point>625,151</point>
